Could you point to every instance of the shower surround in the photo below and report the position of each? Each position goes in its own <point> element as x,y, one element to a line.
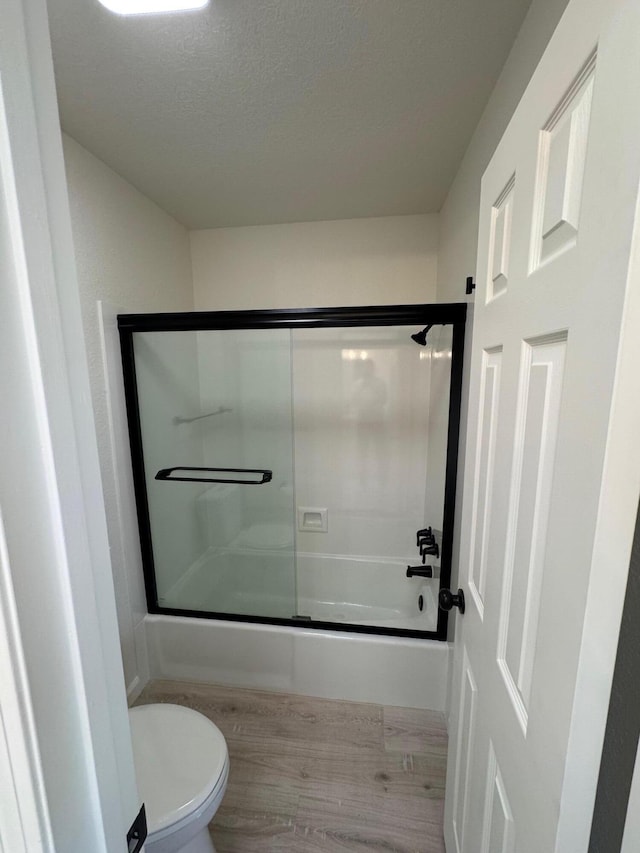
<point>352,430</point>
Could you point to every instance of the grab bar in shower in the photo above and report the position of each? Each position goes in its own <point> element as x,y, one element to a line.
<point>219,411</point>
<point>167,474</point>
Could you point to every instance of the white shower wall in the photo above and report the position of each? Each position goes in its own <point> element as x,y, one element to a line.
<point>361,414</point>
<point>248,373</point>
<point>168,389</point>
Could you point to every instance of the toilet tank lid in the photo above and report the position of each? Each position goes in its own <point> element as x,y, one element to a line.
<point>179,757</point>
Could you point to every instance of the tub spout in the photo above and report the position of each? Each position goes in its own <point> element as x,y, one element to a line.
<point>420,571</point>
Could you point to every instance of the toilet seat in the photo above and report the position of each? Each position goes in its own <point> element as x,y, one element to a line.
<point>181,764</point>
<point>190,822</point>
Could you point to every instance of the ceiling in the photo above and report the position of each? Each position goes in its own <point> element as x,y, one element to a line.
<point>265,111</point>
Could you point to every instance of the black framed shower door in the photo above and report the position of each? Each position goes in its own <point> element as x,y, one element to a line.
<point>134,328</point>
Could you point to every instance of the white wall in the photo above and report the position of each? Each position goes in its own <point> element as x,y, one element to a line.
<point>168,384</point>
<point>360,414</point>
<point>460,213</point>
<point>250,376</point>
<point>134,257</point>
<point>346,262</point>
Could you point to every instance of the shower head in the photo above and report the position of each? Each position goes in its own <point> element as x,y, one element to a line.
<point>421,337</point>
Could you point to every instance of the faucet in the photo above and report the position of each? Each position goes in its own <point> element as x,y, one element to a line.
<point>420,571</point>
<point>426,542</point>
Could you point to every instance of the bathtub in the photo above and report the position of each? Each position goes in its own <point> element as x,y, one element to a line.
<point>388,670</point>
<point>364,591</point>
<point>324,588</point>
<point>330,664</point>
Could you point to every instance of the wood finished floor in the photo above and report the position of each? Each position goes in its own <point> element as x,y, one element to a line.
<point>310,775</point>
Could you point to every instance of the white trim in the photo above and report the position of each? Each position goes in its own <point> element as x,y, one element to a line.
<point>24,816</point>
<point>60,569</point>
<point>124,538</point>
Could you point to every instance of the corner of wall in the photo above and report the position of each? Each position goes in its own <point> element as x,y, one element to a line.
<point>131,254</point>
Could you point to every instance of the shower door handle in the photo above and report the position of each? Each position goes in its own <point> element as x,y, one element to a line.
<point>263,473</point>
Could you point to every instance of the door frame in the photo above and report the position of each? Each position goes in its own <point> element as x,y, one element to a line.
<point>64,732</point>
<point>450,314</point>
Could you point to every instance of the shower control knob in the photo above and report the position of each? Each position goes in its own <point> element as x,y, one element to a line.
<point>430,548</point>
<point>447,600</point>
<point>425,533</point>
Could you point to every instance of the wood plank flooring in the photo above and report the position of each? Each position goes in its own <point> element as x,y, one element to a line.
<point>312,775</point>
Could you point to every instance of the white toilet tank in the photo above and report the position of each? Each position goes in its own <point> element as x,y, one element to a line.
<point>219,511</point>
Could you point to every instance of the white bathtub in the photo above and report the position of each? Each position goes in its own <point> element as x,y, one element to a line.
<point>364,591</point>
<point>335,664</point>
<point>331,664</point>
<point>325,588</point>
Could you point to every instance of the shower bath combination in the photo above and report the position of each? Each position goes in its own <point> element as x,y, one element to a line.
<point>285,461</point>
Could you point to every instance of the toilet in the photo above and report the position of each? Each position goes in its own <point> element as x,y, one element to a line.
<point>182,767</point>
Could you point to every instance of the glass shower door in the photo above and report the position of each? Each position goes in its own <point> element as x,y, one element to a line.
<point>371,414</point>
<point>217,447</point>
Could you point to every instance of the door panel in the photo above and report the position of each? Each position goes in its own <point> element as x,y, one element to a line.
<point>498,828</point>
<point>537,415</point>
<point>500,241</point>
<point>561,162</point>
<point>556,223</point>
<point>466,740</point>
<point>486,439</point>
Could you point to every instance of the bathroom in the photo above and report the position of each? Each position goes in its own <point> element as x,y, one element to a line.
<point>232,323</point>
<point>384,260</point>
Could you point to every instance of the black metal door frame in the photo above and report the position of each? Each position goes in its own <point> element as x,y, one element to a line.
<point>450,314</point>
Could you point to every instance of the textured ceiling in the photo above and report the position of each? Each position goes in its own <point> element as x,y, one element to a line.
<point>266,111</point>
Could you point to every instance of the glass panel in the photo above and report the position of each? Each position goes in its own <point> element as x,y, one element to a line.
<point>371,413</point>
<point>329,440</point>
<point>219,400</point>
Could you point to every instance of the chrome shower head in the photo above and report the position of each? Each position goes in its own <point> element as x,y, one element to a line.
<point>421,337</point>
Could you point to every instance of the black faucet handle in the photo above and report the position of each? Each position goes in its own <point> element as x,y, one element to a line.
<point>430,548</point>
<point>425,533</point>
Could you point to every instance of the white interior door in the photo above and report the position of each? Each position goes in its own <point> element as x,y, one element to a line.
<point>557,218</point>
